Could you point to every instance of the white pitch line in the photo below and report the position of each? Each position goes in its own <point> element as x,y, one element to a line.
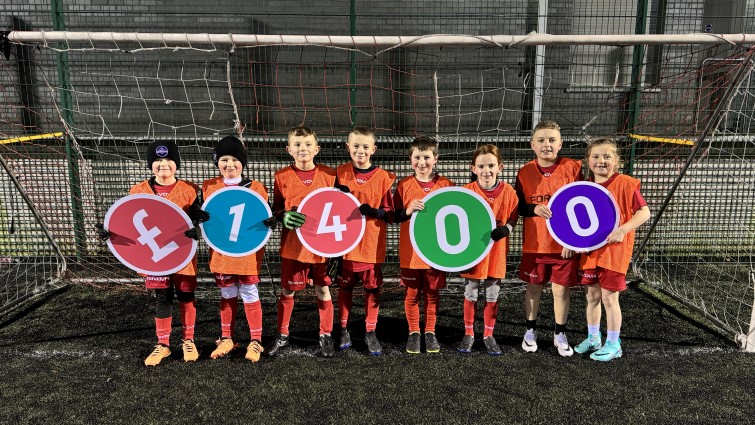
<point>58,353</point>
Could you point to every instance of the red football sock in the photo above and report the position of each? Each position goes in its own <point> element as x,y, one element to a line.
<point>432,300</point>
<point>469,312</point>
<point>490,313</point>
<point>285,307</point>
<point>325,308</point>
<point>228,308</point>
<point>344,305</point>
<point>254,319</point>
<point>372,308</point>
<point>188,317</point>
<point>411,308</point>
<point>162,329</point>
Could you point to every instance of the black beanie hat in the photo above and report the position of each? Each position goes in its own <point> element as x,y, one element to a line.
<point>162,149</point>
<point>230,145</point>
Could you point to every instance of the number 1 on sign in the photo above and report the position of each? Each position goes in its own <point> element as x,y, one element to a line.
<point>336,228</point>
<point>237,211</point>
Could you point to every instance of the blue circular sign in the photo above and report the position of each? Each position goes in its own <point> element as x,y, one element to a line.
<point>235,226</point>
<point>584,214</point>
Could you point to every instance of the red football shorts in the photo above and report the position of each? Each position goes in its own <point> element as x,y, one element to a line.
<point>181,282</point>
<point>371,278</point>
<point>295,275</point>
<point>423,278</point>
<point>224,280</point>
<point>608,279</point>
<point>539,269</point>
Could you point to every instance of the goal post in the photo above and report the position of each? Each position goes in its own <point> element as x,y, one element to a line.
<point>128,89</point>
<point>162,40</point>
<point>30,260</point>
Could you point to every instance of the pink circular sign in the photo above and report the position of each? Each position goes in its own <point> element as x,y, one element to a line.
<point>147,235</point>
<point>334,224</point>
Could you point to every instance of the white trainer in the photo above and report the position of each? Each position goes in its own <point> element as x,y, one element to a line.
<point>529,342</point>
<point>562,345</point>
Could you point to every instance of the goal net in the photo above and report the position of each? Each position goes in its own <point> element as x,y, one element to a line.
<point>681,109</point>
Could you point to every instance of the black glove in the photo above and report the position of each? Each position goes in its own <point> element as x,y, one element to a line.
<point>499,233</point>
<point>196,214</point>
<point>101,232</point>
<point>401,216</point>
<point>270,223</point>
<point>342,188</point>
<point>368,211</point>
<point>192,233</point>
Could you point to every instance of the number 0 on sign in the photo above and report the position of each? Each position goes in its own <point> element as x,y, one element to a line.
<point>584,214</point>
<point>334,225</point>
<point>452,233</point>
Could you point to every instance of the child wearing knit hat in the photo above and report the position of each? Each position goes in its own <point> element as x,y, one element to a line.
<point>163,160</point>
<point>236,275</point>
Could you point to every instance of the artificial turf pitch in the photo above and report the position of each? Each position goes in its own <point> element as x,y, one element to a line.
<point>75,356</point>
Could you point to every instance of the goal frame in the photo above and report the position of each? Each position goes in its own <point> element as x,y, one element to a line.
<point>63,40</point>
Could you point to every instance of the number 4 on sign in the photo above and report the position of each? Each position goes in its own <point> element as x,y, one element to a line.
<point>337,228</point>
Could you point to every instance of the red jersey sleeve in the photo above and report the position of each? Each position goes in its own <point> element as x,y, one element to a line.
<point>637,200</point>
<point>387,205</point>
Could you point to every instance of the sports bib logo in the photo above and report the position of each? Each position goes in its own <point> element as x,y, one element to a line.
<point>452,233</point>
<point>584,214</point>
<point>147,235</point>
<point>334,224</point>
<point>235,226</point>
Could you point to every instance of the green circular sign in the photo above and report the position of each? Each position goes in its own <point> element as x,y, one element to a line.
<point>452,233</point>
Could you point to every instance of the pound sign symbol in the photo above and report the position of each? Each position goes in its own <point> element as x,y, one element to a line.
<point>148,238</point>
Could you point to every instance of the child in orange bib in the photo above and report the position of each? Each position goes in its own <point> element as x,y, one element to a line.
<point>371,185</point>
<point>236,275</point>
<point>420,280</point>
<point>486,165</point>
<point>300,266</point>
<point>163,160</point>
<point>603,270</point>
<point>543,259</point>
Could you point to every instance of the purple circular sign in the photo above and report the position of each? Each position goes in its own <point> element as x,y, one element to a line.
<point>584,214</point>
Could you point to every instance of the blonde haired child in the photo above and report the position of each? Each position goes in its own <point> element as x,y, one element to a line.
<point>603,271</point>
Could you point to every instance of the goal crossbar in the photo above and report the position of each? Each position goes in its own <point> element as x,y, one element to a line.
<point>248,40</point>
